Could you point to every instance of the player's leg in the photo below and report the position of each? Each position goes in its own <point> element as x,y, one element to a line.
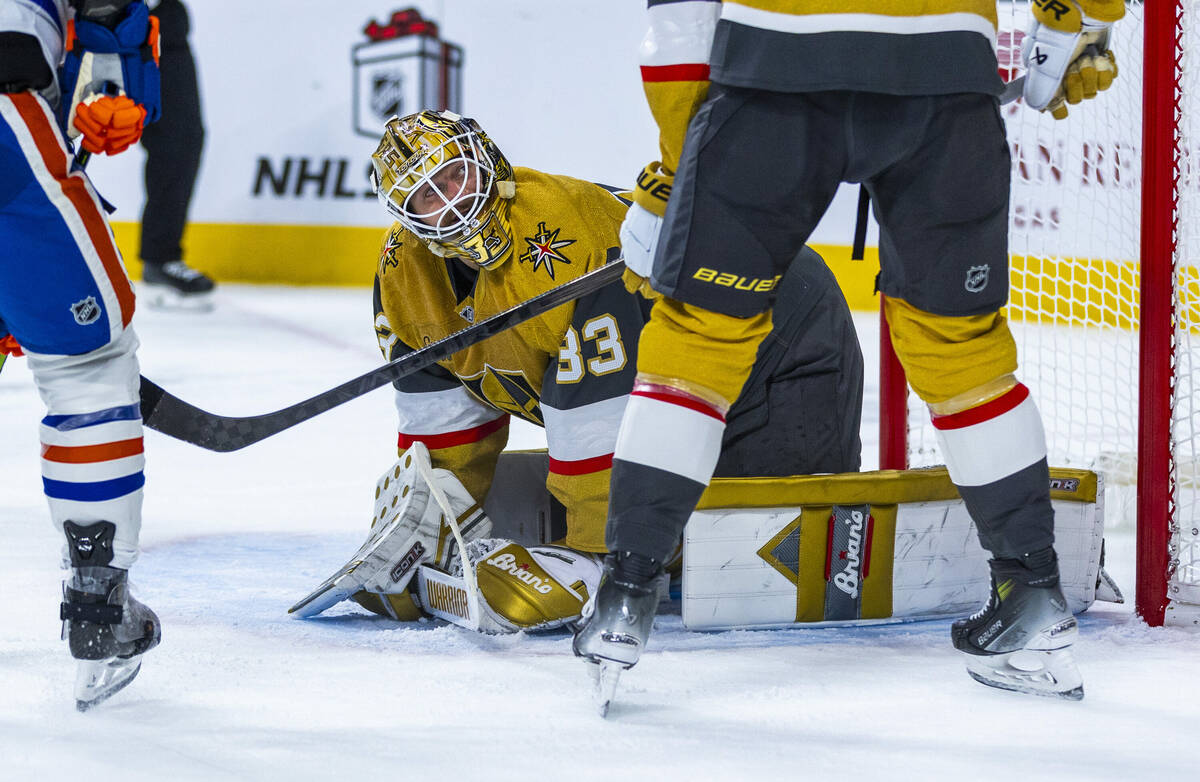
<point>744,201</point>
<point>943,212</point>
<point>173,148</point>
<point>68,303</point>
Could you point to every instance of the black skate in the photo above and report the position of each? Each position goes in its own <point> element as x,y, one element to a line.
<point>615,626</point>
<point>106,629</point>
<point>175,285</point>
<point>1021,639</point>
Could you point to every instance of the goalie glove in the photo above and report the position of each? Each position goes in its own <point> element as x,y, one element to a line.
<point>521,588</point>
<point>1066,52</point>
<point>117,60</point>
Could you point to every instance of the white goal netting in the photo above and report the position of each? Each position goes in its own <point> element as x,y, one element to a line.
<point>1075,304</point>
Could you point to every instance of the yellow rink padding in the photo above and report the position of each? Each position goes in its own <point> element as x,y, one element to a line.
<point>879,487</point>
<point>270,254</point>
<point>1068,291</point>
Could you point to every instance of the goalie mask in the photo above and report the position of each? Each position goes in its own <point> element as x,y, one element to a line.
<point>445,181</point>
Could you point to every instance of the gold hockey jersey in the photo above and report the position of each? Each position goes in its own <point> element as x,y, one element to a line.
<point>569,370</point>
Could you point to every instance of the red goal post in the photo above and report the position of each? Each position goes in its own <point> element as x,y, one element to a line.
<point>1104,232</point>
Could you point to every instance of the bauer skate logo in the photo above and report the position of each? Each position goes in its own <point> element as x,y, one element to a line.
<point>847,579</point>
<point>507,563</point>
<point>406,563</point>
<point>977,278</point>
<point>86,312</point>
<point>989,634</point>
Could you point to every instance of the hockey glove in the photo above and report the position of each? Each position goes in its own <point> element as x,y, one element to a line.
<point>9,346</point>
<point>1066,52</point>
<point>100,60</point>
<point>639,240</point>
<point>109,124</point>
<point>641,227</point>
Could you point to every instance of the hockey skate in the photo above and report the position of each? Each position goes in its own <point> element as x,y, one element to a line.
<point>107,631</point>
<point>1021,639</point>
<point>176,286</point>
<point>615,626</point>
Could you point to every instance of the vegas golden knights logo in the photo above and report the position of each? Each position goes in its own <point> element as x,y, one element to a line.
<point>507,390</point>
<point>544,249</point>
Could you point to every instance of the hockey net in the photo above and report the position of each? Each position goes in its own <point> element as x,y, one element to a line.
<point>1105,292</point>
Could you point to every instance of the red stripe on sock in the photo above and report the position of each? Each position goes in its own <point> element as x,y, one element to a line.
<point>690,71</point>
<point>985,412</point>
<point>581,466</point>
<point>89,454</point>
<point>673,396</point>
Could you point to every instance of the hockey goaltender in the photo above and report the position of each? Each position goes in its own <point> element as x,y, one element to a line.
<point>788,533</point>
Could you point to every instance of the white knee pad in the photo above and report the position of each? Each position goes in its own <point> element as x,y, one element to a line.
<point>104,378</point>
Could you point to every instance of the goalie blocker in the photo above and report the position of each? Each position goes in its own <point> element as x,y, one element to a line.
<point>855,548</point>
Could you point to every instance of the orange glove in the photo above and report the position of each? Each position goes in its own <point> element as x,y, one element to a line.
<point>109,123</point>
<point>9,346</point>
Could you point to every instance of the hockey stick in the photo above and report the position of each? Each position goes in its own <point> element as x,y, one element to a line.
<point>175,418</point>
<point>1012,90</point>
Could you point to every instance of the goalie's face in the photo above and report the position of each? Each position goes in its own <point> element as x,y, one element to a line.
<point>448,198</point>
<point>433,175</point>
<point>445,181</point>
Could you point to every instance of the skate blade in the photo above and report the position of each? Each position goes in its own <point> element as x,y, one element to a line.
<point>1051,674</point>
<point>605,676</point>
<point>98,680</point>
<point>167,299</point>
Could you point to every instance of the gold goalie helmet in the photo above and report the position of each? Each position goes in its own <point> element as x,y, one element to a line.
<point>445,181</point>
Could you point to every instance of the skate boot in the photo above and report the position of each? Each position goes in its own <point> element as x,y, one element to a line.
<point>175,285</point>
<point>615,626</point>
<point>106,629</point>
<point>1021,639</point>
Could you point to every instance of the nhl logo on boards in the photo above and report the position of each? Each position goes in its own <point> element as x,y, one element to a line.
<point>977,278</point>
<point>86,312</point>
<point>403,67</point>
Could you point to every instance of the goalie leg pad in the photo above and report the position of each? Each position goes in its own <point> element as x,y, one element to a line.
<point>408,529</point>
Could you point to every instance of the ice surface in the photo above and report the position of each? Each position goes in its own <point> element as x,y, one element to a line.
<point>238,690</point>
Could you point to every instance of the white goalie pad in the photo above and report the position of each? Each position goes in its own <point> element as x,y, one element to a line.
<point>863,548</point>
<point>408,528</point>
